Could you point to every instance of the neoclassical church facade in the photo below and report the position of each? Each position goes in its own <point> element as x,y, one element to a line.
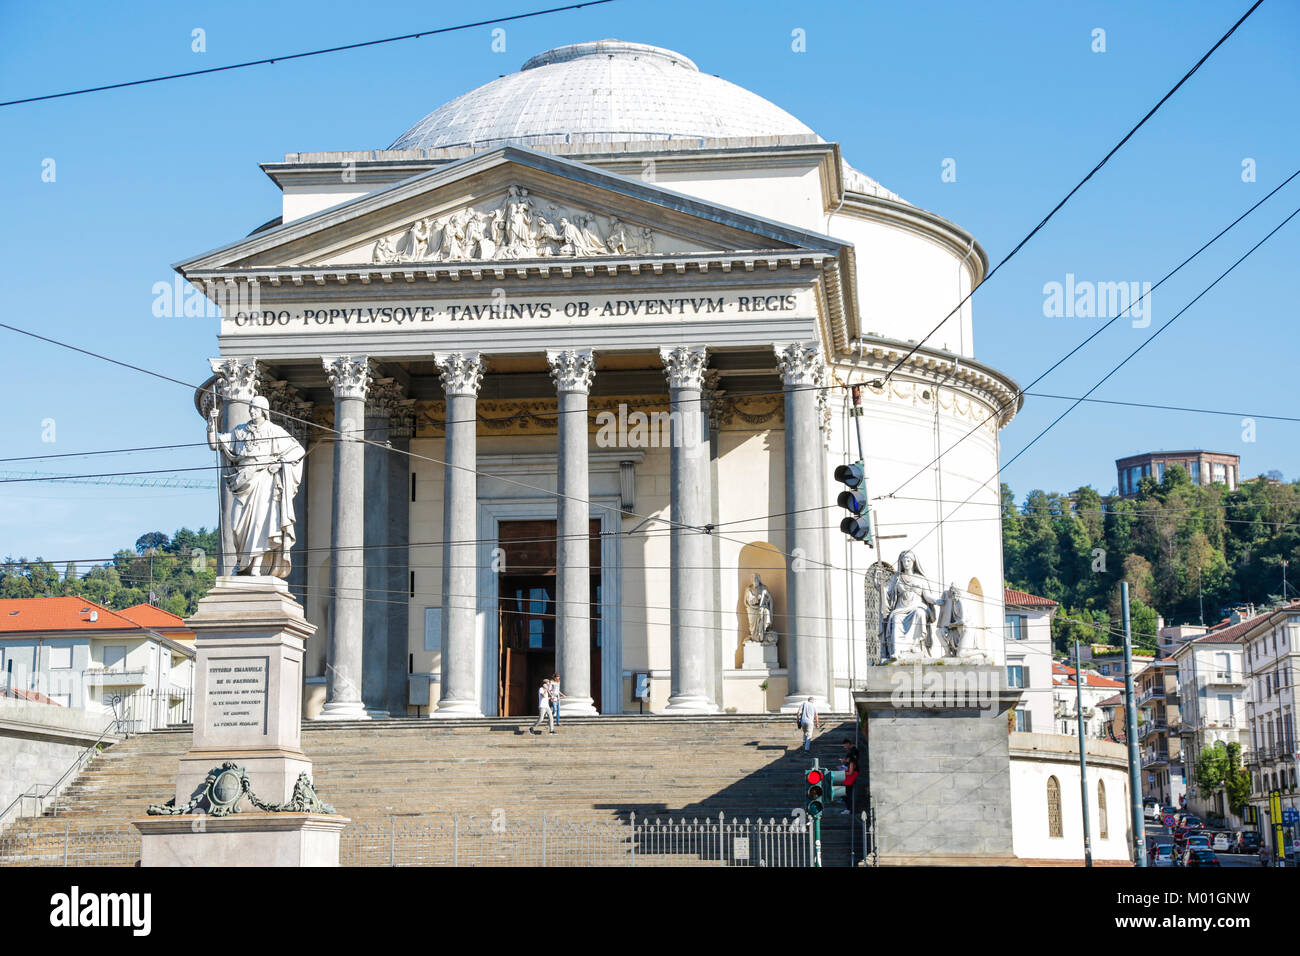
<point>572,360</point>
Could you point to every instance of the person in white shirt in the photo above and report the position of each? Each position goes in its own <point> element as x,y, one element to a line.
<point>544,711</point>
<point>556,694</point>
<point>808,721</point>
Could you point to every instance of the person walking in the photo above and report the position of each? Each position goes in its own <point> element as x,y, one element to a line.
<point>556,694</point>
<point>544,711</point>
<point>808,721</point>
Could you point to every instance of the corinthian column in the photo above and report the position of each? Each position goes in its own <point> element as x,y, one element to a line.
<point>236,387</point>
<point>803,373</point>
<point>689,544</point>
<point>572,372</point>
<point>349,376</point>
<point>382,395</point>
<point>462,373</point>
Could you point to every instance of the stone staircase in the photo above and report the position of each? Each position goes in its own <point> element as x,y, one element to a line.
<point>593,770</point>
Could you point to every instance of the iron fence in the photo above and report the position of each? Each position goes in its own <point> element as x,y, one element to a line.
<point>459,839</point>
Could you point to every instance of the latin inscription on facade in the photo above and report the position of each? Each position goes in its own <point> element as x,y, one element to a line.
<point>499,308</point>
<point>237,692</point>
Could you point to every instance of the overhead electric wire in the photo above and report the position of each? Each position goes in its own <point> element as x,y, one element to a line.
<point>266,61</point>
<point>1272,232</point>
<point>1096,332</point>
<point>1057,208</point>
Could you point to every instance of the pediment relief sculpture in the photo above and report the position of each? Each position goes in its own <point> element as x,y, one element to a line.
<point>520,227</point>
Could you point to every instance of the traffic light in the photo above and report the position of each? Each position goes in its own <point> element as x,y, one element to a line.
<point>813,803</point>
<point>835,785</point>
<point>858,523</point>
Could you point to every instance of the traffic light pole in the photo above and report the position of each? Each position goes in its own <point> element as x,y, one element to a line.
<point>1083,759</point>
<point>1130,731</point>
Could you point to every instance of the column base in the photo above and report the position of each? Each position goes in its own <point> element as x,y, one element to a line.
<point>457,708</point>
<point>343,710</point>
<point>242,839</point>
<point>578,707</point>
<point>794,701</point>
<point>689,705</point>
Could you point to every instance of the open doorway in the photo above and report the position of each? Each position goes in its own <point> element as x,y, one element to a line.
<point>526,613</point>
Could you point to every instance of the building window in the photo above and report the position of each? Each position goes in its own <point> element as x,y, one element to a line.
<point>1219,473</point>
<point>1194,469</point>
<point>1016,675</point>
<point>60,658</point>
<point>1024,721</point>
<point>1054,830</point>
<point>1015,627</point>
<point>1102,822</point>
<point>1160,471</point>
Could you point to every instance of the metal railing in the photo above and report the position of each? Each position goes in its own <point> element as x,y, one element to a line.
<point>34,793</point>
<point>502,839</point>
<point>70,845</point>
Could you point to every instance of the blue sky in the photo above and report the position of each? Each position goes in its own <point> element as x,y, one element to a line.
<point>1013,92</point>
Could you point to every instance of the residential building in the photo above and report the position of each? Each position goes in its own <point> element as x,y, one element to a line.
<point>1271,654</point>
<point>1163,776</point>
<point>1203,467</point>
<point>136,664</point>
<point>1028,647</point>
<point>1214,694</point>
<point>1109,659</point>
<point>1065,700</point>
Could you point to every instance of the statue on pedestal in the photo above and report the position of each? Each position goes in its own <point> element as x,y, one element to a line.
<point>264,471</point>
<point>758,606</point>
<point>909,625</point>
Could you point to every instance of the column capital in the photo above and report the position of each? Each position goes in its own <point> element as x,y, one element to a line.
<point>236,378</point>
<point>684,365</point>
<point>800,363</point>
<point>572,369</point>
<point>382,397</point>
<point>349,375</point>
<point>288,408</point>
<point>461,372</point>
<point>715,398</point>
<point>401,420</point>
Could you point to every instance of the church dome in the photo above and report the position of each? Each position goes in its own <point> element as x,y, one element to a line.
<point>606,91</point>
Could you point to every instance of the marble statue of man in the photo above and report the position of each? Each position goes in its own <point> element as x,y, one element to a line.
<point>909,626</point>
<point>264,470</point>
<point>758,606</point>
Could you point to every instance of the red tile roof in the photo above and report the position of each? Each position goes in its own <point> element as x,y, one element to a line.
<point>1090,678</point>
<point>1014,598</point>
<point>1231,633</point>
<point>146,615</point>
<point>26,615</point>
<point>1114,700</point>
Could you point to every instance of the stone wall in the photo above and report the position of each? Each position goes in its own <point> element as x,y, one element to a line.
<point>38,742</point>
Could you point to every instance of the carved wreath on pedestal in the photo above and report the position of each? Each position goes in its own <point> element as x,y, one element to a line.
<point>227,785</point>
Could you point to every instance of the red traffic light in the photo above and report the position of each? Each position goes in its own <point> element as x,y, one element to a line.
<point>814,776</point>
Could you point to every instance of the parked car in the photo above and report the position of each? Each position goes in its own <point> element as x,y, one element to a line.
<point>1199,856</point>
<point>1162,855</point>
<point>1221,842</point>
<point>1192,822</point>
<point>1151,811</point>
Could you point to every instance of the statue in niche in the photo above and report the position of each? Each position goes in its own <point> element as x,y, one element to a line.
<point>758,607</point>
<point>909,626</point>
<point>264,469</point>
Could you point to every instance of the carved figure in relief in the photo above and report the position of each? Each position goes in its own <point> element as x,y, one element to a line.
<point>618,242</point>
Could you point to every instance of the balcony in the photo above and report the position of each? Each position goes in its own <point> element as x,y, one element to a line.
<point>1155,758</point>
<point>1225,679</point>
<point>115,678</point>
<point>1151,727</point>
<point>1152,693</point>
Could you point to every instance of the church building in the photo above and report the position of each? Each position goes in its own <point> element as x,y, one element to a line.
<point>574,361</point>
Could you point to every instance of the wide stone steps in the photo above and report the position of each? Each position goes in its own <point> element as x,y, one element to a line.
<point>594,769</point>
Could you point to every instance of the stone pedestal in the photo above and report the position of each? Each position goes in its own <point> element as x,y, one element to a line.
<point>248,651</point>
<point>759,656</point>
<point>249,641</point>
<point>937,762</point>
<point>244,839</point>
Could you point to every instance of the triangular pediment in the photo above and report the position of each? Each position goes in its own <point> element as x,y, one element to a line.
<point>509,204</point>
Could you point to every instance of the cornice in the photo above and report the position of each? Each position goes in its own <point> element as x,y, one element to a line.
<point>923,223</point>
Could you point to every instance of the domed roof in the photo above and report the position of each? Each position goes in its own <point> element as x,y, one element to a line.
<point>607,91</point>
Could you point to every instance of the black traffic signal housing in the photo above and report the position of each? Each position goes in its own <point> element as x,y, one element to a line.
<point>857,525</point>
<point>813,801</point>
